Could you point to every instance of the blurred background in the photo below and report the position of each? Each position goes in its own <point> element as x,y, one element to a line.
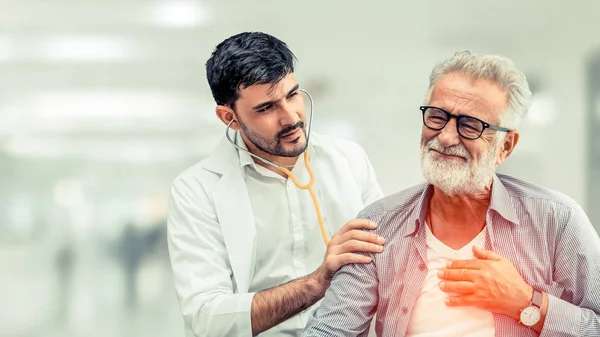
<point>103,103</point>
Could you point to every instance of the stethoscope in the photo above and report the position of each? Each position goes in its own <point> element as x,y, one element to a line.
<point>310,184</point>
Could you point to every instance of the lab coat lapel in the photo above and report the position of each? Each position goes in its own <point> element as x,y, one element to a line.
<point>233,208</point>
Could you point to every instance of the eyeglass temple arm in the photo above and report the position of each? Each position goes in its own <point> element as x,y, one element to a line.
<point>497,128</point>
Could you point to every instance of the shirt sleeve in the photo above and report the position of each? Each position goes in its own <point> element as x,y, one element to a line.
<point>201,270</point>
<point>577,271</point>
<point>350,301</point>
<point>349,304</point>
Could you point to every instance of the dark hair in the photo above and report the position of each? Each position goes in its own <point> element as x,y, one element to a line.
<point>246,59</point>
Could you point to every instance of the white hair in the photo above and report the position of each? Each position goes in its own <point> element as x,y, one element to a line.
<point>496,69</point>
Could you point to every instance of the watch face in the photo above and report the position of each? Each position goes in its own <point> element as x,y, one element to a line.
<point>530,315</point>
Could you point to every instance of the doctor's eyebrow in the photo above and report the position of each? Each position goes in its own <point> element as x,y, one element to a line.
<point>264,104</point>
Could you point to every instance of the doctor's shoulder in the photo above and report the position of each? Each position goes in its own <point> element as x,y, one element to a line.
<point>336,145</point>
<point>196,179</point>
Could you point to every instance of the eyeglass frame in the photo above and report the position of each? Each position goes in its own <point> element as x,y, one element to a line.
<point>486,125</point>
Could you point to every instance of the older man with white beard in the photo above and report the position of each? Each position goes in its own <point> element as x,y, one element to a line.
<point>471,253</point>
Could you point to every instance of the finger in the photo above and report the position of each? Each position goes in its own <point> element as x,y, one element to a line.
<point>352,246</point>
<point>461,300</point>
<point>460,287</point>
<point>360,236</point>
<point>457,274</point>
<point>356,224</point>
<point>464,264</point>
<point>348,258</point>
<point>485,254</point>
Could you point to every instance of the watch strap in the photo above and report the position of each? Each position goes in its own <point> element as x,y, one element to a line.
<point>537,298</point>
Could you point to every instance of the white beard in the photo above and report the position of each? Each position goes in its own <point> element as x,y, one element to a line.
<point>457,176</point>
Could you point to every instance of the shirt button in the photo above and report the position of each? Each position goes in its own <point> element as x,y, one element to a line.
<point>404,310</point>
<point>422,266</point>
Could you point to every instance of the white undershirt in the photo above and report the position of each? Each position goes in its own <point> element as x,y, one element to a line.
<point>431,317</point>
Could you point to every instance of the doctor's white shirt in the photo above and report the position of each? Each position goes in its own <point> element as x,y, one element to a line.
<point>288,242</point>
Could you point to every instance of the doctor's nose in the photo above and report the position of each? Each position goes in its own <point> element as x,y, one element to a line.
<point>288,114</point>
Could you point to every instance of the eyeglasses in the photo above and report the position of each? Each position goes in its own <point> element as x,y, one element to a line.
<point>466,126</point>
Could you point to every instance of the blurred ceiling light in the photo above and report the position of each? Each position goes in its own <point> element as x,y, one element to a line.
<point>102,105</point>
<point>140,106</point>
<point>179,13</point>
<point>113,113</point>
<point>109,150</point>
<point>85,48</point>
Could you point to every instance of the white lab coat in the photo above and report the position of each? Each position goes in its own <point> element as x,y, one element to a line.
<point>212,235</point>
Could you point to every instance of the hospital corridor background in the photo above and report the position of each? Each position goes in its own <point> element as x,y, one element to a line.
<point>103,103</point>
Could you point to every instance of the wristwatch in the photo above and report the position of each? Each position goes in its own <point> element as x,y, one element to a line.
<point>532,314</point>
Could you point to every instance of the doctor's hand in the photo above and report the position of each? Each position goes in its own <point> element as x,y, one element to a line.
<point>489,282</point>
<point>343,245</point>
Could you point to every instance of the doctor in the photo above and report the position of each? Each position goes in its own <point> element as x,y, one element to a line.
<point>244,242</point>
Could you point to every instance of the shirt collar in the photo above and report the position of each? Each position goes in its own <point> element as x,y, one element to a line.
<point>500,201</point>
<point>245,158</point>
<point>419,212</point>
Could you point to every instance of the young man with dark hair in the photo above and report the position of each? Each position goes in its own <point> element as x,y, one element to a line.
<point>244,242</point>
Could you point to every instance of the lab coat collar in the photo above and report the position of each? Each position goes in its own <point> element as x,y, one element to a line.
<point>223,157</point>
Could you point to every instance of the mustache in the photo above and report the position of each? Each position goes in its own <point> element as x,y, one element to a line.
<point>289,129</point>
<point>456,150</point>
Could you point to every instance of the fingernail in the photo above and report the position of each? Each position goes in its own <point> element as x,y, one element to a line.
<point>442,284</point>
<point>380,240</point>
<point>380,248</point>
<point>449,264</point>
<point>440,274</point>
<point>447,301</point>
<point>374,225</point>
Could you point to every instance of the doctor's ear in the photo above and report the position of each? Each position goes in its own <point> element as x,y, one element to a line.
<point>226,115</point>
